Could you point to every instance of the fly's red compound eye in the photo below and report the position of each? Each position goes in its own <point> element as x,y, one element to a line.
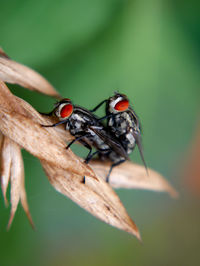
<point>66,111</point>
<point>122,105</point>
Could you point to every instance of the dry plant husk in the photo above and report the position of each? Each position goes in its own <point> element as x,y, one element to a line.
<point>12,169</point>
<point>134,176</point>
<point>20,125</point>
<point>13,72</point>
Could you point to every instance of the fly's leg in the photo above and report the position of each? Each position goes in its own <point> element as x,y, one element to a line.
<point>137,137</point>
<point>89,157</point>
<point>94,153</point>
<point>99,105</point>
<point>80,139</point>
<point>113,165</point>
<point>107,116</point>
<point>76,139</point>
<point>85,144</point>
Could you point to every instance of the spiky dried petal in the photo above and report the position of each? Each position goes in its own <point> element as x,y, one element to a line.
<point>17,177</point>
<point>13,72</point>
<point>12,168</point>
<point>23,197</point>
<point>16,174</point>
<point>24,202</point>
<point>6,159</point>
<point>95,196</point>
<point>133,176</point>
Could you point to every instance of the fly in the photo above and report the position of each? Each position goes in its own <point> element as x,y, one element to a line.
<point>89,131</point>
<point>123,123</point>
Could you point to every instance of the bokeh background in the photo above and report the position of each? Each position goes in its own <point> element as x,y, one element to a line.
<point>149,50</point>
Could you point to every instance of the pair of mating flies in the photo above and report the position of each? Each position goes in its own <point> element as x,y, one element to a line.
<point>113,142</point>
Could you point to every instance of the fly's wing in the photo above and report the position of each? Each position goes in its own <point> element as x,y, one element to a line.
<point>133,116</point>
<point>110,141</point>
<point>137,134</point>
<point>137,137</point>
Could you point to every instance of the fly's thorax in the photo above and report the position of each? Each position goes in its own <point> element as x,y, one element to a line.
<point>119,124</point>
<point>124,121</point>
<point>75,124</point>
<point>80,122</point>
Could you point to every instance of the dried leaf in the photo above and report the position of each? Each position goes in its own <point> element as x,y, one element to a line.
<point>40,142</point>
<point>13,72</point>
<point>13,170</point>
<point>17,184</point>
<point>133,176</point>
<point>15,104</point>
<point>24,202</point>
<point>98,198</point>
<point>95,196</point>
<point>16,174</point>
<point>21,123</point>
<point>43,119</point>
<point>5,166</point>
<point>44,143</point>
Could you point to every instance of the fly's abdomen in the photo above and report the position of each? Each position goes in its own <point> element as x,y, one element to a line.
<point>128,142</point>
<point>97,142</point>
<point>76,125</point>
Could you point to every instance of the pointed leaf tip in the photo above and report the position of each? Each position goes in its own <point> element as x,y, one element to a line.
<point>16,73</point>
<point>133,176</point>
<point>96,197</point>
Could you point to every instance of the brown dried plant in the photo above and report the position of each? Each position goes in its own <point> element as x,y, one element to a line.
<point>20,127</point>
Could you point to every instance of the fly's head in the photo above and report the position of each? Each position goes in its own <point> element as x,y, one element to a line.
<point>124,123</point>
<point>117,104</point>
<point>63,109</point>
<point>122,118</point>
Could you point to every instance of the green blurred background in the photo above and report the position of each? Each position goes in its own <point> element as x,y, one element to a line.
<point>149,50</point>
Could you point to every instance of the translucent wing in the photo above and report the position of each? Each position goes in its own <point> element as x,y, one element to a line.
<point>113,143</point>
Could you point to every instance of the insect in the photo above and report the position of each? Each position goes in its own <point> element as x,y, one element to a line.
<point>123,123</point>
<point>89,131</point>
